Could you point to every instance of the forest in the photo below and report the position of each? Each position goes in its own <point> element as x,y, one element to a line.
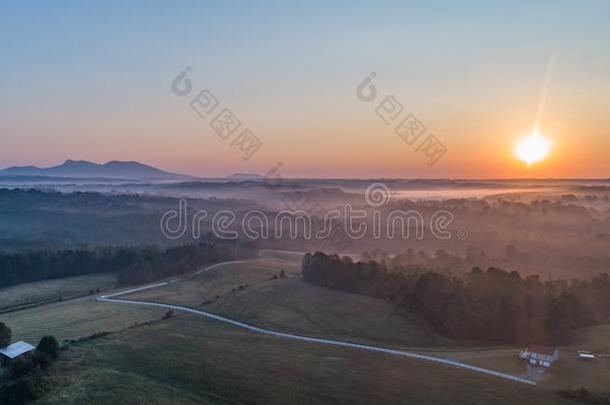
<point>133,264</point>
<point>484,305</point>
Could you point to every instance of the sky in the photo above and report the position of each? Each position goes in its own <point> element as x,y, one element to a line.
<point>93,81</point>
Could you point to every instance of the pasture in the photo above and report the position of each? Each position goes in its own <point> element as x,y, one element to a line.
<point>187,360</point>
<point>289,304</point>
<point>42,292</point>
<point>74,319</point>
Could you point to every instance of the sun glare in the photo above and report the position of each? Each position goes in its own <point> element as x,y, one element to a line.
<point>533,148</point>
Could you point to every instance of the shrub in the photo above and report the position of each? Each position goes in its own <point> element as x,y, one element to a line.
<point>5,335</point>
<point>585,396</point>
<point>21,367</point>
<point>24,391</point>
<point>48,345</point>
<point>42,360</point>
<point>20,392</point>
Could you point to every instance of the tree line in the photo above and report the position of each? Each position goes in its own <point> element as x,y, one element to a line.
<point>492,305</point>
<point>133,264</point>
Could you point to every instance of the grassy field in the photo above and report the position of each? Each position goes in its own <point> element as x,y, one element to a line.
<point>74,319</point>
<point>568,373</point>
<point>46,291</point>
<point>290,304</point>
<point>187,360</point>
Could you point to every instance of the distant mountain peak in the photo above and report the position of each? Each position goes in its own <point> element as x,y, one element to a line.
<point>70,162</point>
<point>86,169</point>
<point>245,176</point>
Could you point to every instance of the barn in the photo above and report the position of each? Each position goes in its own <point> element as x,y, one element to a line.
<point>11,352</point>
<point>543,356</point>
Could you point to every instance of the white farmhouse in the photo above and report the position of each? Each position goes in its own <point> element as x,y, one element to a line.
<point>543,356</point>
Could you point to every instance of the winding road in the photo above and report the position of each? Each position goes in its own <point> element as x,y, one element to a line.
<point>285,335</point>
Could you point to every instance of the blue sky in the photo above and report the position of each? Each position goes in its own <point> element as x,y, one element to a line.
<point>91,81</point>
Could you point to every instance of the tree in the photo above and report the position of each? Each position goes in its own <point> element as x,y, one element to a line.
<point>495,304</point>
<point>5,335</point>
<point>48,345</point>
<point>42,360</point>
<point>25,391</point>
<point>21,367</point>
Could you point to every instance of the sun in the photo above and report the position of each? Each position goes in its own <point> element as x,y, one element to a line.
<point>533,148</point>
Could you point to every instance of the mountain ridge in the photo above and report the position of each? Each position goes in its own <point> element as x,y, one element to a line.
<point>86,169</point>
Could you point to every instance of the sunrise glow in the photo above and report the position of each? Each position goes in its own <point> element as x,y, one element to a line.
<point>533,148</point>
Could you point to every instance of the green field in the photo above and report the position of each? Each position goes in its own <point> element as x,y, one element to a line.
<point>46,291</point>
<point>188,359</point>
<point>289,304</point>
<point>74,319</point>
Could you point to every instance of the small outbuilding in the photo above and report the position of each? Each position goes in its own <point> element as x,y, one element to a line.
<point>11,352</point>
<point>543,356</point>
<point>584,355</point>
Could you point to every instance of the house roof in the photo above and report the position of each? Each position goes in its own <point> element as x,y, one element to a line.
<point>16,349</point>
<point>541,349</point>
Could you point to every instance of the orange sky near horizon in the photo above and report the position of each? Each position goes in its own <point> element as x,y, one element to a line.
<point>78,86</point>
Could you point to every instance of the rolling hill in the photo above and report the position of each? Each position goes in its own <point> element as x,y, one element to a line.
<point>86,169</point>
